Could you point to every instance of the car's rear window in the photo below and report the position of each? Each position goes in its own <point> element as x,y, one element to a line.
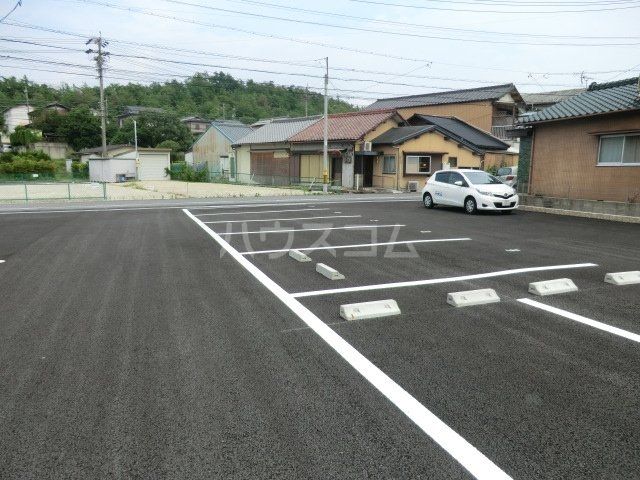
<point>482,178</point>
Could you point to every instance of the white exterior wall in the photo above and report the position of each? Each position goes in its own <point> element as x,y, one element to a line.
<point>243,161</point>
<point>106,170</point>
<point>152,164</point>
<point>16,116</point>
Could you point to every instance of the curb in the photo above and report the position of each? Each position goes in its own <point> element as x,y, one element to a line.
<point>577,213</point>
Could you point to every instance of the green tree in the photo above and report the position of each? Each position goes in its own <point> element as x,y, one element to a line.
<point>154,128</point>
<point>48,122</point>
<point>80,128</point>
<point>23,137</point>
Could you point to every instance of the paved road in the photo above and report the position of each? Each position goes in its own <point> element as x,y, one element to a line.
<point>133,346</point>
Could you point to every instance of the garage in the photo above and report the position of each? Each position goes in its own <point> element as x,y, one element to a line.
<point>120,166</point>
<point>152,165</point>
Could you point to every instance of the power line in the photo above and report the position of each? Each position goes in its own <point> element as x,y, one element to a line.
<point>18,4</point>
<point>291,39</point>
<point>429,7</point>
<point>379,54</point>
<point>371,30</point>
<point>199,64</point>
<point>418,25</point>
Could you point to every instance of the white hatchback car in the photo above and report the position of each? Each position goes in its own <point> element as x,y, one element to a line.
<point>472,189</point>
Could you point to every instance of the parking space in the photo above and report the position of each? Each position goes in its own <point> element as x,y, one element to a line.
<point>129,336</point>
<point>527,386</point>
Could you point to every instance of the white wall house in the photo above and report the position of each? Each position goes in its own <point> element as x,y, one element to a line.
<point>16,116</point>
<point>120,164</point>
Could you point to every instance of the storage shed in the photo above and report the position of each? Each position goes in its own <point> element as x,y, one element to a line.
<point>120,165</point>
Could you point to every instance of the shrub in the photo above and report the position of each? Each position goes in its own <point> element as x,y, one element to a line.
<point>28,165</point>
<point>80,170</point>
<point>23,137</point>
<point>186,173</point>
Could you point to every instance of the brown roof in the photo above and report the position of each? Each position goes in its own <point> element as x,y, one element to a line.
<point>344,126</point>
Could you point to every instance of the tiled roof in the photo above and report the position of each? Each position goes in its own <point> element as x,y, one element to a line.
<point>493,92</point>
<point>545,98</point>
<point>278,130</point>
<point>611,97</point>
<point>398,135</point>
<point>344,126</point>
<point>233,130</point>
<point>461,131</point>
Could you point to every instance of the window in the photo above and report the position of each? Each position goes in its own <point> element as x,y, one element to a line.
<point>442,177</point>
<point>417,165</point>
<point>453,162</point>
<point>482,178</point>
<point>389,164</point>
<point>619,150</point>
<point>456,177</point>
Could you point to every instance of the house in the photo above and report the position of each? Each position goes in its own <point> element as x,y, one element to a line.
<point>265,156</point>
<point>534,102</point>
<point>492,108</point>
<point>18,115</point>
<point>132,111</point>
<point>412,153</point>
<point>50,107</point>
<point>196,125</point>
<point>214,147</point>
<point>123,163</point>
<point>586,147</point>
<point>351,158</point>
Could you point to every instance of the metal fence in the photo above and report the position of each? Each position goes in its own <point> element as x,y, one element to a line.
<point>36,191</point>
<point>281,181</point>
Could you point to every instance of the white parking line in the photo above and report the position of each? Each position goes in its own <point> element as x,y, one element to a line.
<point>283,219</point>
<point>359,245</point>
<point>584,320</point>
<point>349,227</point>
<point>259,211</point>
<point>1,261</point>
<point>466,454</point>
<point>434,281</point>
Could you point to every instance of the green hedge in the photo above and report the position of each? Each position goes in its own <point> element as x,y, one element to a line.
<point>186,173</point>
<point>28,165</point>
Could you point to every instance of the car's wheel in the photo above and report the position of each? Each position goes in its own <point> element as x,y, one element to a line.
<point>428,200</point>
<point>470,205</point>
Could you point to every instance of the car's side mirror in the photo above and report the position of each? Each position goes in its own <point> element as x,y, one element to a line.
<point>459,183</point>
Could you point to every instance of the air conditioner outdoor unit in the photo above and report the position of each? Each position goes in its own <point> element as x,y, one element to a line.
<point>412,186</point>
<point>366,147</point>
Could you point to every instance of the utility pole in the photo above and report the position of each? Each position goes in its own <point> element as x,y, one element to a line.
<point>325,149</point>
<point>135,142</point>
<point>100,61</point>
<point>306,101</point>
<point>26,95</point>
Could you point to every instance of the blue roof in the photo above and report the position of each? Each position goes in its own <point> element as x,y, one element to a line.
<point>233,130</point>
<point>612,97</point>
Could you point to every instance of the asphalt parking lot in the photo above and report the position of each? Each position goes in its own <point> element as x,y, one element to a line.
<point>184,342</point>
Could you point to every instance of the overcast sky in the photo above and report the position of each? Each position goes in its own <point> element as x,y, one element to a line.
<point>462,56</point>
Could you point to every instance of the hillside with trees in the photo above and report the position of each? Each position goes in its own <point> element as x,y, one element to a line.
<point>210,96</point>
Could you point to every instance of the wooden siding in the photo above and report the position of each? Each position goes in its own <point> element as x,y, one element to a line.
<point>210,147</point>
<point>268,164</point>
<point>478,114</point>
<point>565,156</point>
